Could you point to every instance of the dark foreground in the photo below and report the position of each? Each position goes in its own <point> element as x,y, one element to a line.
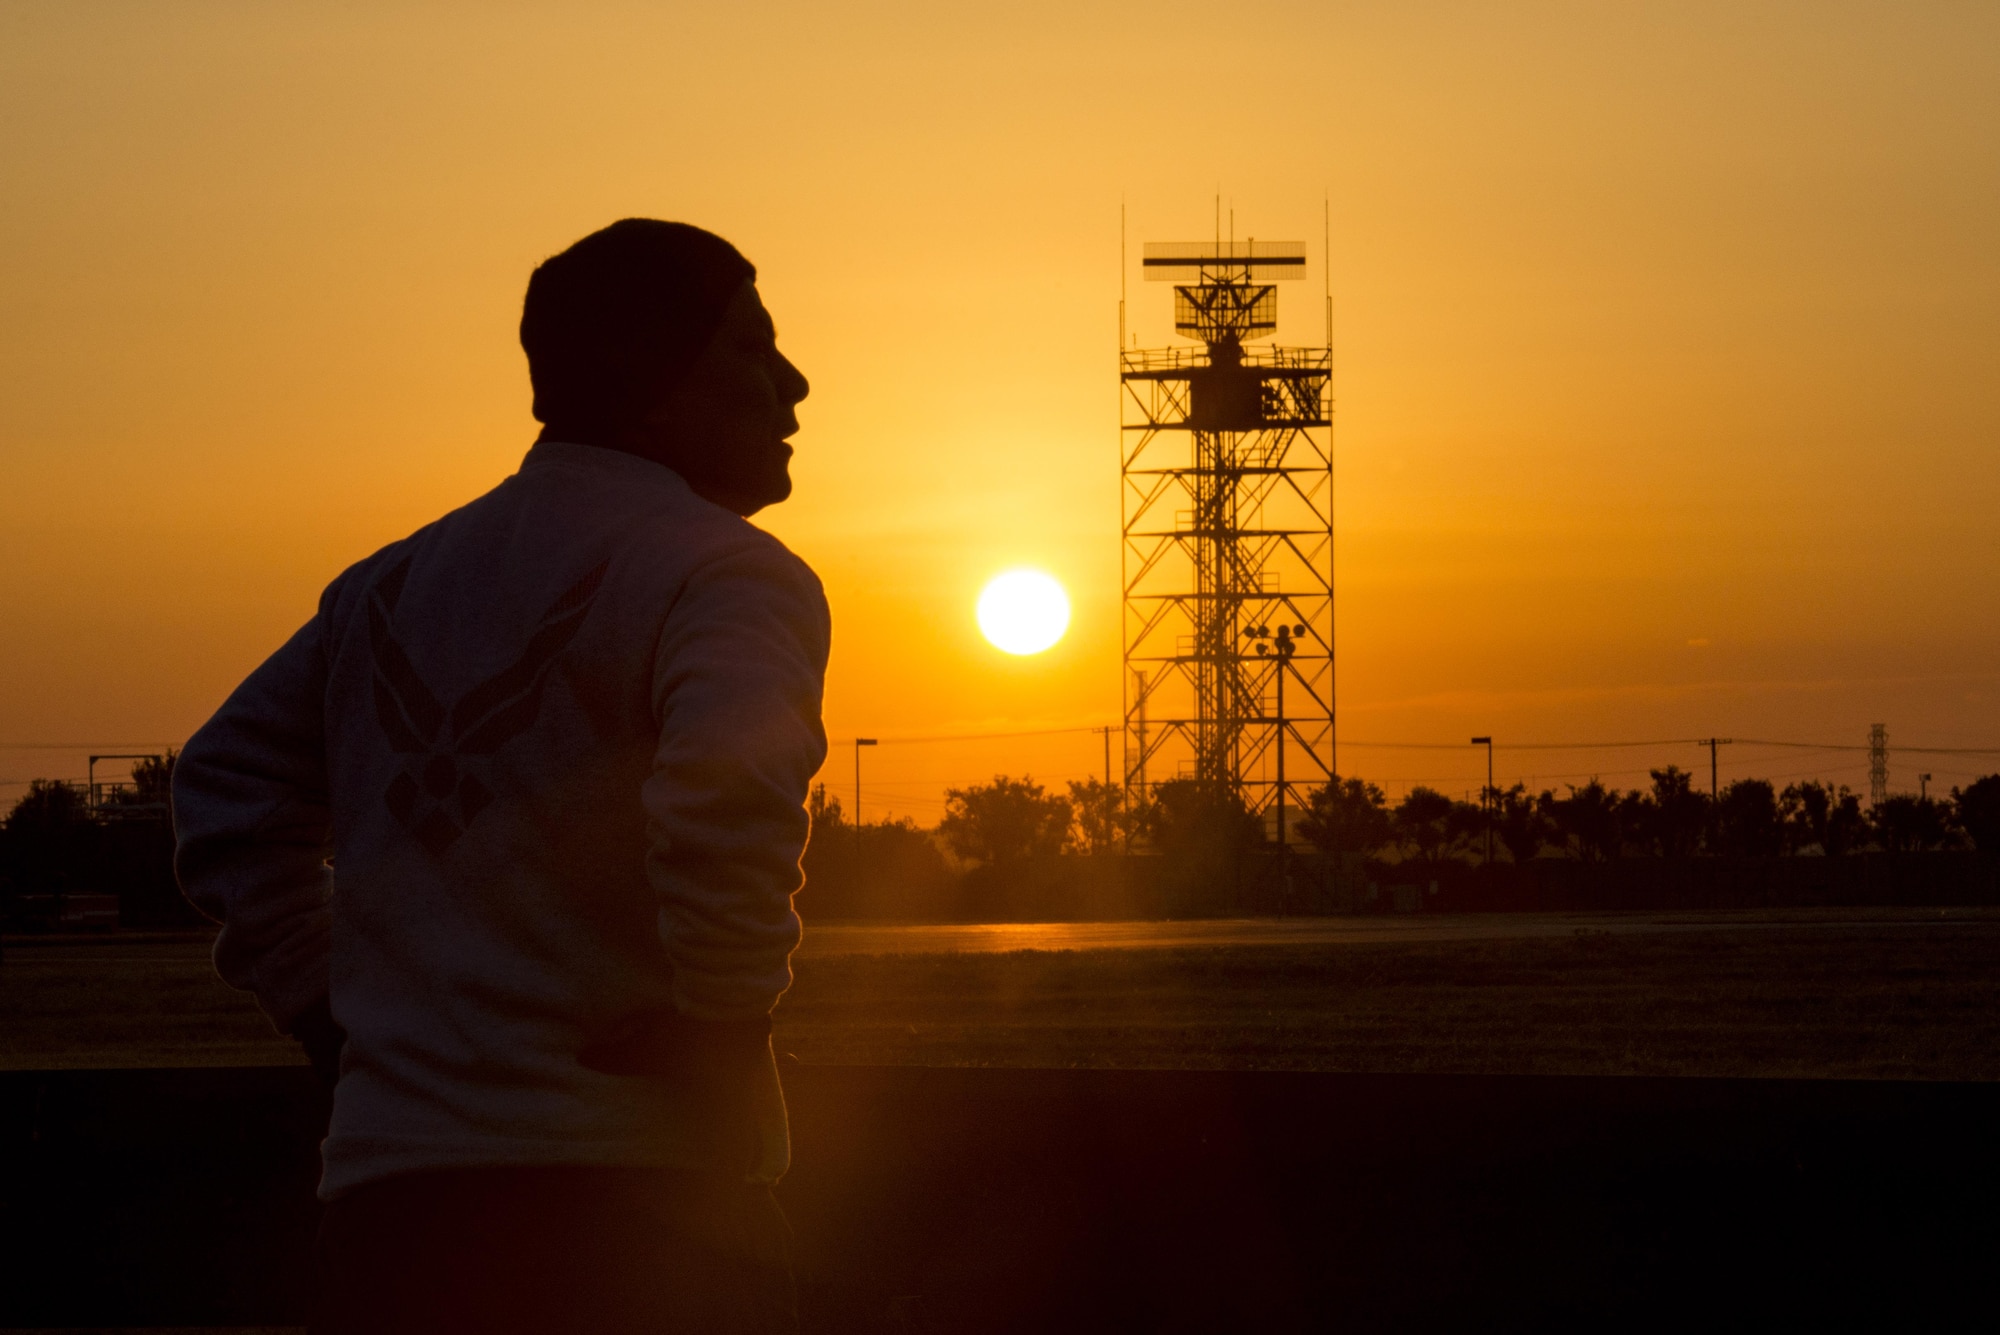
<point>1432,1123</point>
<point>1010,1200</point>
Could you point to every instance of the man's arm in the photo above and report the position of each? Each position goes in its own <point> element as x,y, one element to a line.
<point>253,834</point>
<point>738,680</point>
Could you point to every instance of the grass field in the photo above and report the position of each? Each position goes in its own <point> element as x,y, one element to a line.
<point>1912,995</point>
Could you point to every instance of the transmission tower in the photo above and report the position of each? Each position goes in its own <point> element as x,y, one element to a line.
<point>1227,509</point>
<point>1878,763</point>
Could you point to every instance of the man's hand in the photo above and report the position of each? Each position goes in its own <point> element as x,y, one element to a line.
<point>666,1045</point>
<point>721,1065</point>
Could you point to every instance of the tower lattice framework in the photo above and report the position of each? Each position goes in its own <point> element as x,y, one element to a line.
<point>1227,510</point>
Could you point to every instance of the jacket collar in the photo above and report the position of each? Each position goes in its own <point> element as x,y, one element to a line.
<point>600,459</point>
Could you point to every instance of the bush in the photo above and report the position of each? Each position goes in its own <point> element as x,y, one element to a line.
<point>1346,816</point>
<point>889,869</point>
<point>1978,807</point>
<point>1003,822</point>
<point>1205,836</point>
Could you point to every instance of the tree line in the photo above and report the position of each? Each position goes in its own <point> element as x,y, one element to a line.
<point>1671,818</point>
<point>1010,821</point>
<point>1012,845</point>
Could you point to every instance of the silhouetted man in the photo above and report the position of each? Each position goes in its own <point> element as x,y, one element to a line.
<point>507,836</point>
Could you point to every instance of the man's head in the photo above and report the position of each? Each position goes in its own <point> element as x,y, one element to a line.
<point>649,337</point>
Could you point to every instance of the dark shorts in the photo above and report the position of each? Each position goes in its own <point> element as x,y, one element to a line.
<point>600,1250</point>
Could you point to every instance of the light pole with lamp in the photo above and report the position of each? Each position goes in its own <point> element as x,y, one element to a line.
<point>859,742</point>
<point>1281,646</point>
<point>1486,798</point>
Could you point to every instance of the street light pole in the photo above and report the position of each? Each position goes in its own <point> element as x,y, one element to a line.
<point>1284,659</point>
<point>1487,798</point>
<point>859,742</point>
<point>1283,645</point>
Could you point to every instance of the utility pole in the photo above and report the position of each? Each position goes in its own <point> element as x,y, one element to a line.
<point>1713,787</point>
<point>1486,798</point>
<point>1140,687</point>
<point>1107,730</point>
<point>1711,744</point>
<point>1923,787</point>
<point>859,742</point>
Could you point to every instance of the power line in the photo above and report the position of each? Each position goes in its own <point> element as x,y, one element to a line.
<point>1005,733</point>
<point>996,736</point>
<point>76,746</point>
<point>1841,746</point>
<point>1526,746</point>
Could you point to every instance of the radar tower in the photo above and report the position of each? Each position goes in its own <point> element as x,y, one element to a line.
<point>1227,515</point>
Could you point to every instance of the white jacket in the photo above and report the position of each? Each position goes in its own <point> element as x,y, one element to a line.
<point>536,768</point>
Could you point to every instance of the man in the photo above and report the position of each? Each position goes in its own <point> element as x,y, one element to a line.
<point>507,836</point>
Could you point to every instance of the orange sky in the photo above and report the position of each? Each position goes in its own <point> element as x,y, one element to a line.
<point>1669,341</point>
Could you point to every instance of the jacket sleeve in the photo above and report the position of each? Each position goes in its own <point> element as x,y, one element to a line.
<point>252,830</point>
<point>737,681</point>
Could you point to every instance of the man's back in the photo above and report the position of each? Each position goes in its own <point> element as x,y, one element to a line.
<point>498,692</point>
<point>507,836</point>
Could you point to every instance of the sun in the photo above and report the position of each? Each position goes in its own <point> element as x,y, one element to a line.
<point>1023,611</point>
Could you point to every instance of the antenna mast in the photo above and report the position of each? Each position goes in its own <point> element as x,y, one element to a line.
<point>1332,490</point>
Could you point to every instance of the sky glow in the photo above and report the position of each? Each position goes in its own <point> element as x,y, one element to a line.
<point>1665,335</point>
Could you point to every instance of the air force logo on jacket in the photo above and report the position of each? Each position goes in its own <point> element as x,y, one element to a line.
<point>537,768</point>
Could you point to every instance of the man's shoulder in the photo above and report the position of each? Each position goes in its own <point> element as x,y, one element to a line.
<point>748,566</point>
<point>360,575</point>
<point>743,541</point>
<point>648,526</point>
<point>688,535</point>
<point>354,581</point>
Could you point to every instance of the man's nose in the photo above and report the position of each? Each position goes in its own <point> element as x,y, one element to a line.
<point>794,383</point>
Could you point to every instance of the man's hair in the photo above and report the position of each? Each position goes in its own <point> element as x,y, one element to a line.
<point>617,319</point>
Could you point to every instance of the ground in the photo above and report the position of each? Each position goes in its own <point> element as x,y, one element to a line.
<point>1848,994</point>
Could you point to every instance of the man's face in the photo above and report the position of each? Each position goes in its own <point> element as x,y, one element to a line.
<point>724,426</point>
